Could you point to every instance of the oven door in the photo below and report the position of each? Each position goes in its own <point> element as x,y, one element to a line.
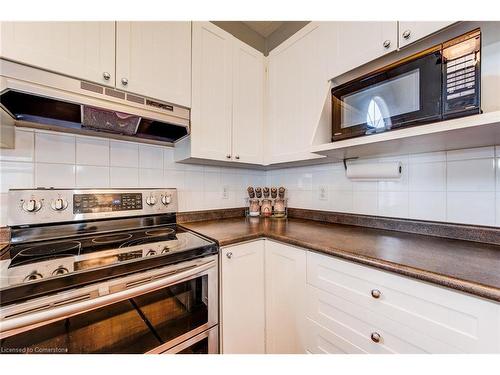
<point>402,95</point>
<point>152,311</point>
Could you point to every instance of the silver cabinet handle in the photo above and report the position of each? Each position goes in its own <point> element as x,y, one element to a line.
<point>228,156</point>
<point>375,337</point>
<point>124,81</point>
<point>229,255</point>
<point>106,76</point>
<point>387,43</point>
<point>376,293</point>
<point>406,34</point>
<point>237,157</point>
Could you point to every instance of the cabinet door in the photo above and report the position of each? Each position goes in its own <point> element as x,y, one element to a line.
<point>410,32</point>
<point>298,87</point>
<point>242,296</point>
<point>154,59</point>
<point>212,92</point>
<point>285,294</point>
<point>360,42</point>
<point>84,50</point>
<point>248,104</point>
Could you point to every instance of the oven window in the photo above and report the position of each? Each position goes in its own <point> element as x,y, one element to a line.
<point>117,328</point>
<point>376,104</point>
<point>176,310</point>
<point>136,325</point>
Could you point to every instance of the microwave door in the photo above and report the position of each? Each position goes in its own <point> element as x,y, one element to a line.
<point>409,92</point>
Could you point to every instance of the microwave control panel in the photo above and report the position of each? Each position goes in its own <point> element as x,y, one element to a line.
<point>461,74</point>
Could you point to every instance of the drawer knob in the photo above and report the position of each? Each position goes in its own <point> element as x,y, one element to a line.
<point>376,293</point>
<point>407,34</point>
<point>375,337</point>
<point>229,255</point>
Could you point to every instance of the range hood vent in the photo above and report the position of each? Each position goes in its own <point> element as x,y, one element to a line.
<point>54,102</point>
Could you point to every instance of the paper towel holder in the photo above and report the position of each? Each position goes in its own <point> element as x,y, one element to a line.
<point>345,161</point>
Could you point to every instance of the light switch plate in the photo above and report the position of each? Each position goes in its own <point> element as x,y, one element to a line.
<point>225,192</point>
<point>323,193</point>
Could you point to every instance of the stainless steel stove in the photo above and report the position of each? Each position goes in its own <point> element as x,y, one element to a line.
<point>79,254</point>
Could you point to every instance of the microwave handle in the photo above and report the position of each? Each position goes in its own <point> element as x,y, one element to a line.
<point>14,325</point>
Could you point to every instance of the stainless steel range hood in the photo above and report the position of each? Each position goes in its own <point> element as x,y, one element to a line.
<point>41,99</point>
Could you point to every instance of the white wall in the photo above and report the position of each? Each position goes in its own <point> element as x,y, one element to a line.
<point>461,186</point>
<point>50,159</point>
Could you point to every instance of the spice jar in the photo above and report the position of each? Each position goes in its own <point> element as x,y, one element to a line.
<point>254,207</point>
<point>267,207</point>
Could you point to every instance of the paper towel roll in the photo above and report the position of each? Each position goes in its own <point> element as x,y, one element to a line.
<point>374,171</point>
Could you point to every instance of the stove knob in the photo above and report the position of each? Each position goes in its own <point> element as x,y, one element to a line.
<point>150,253</point>
<point>166,199</point>
<point>32,205</point>
<point>33,276</point>
<point>59,204</point>
<point>151,200</point>
<point>165,250</point>
<point>60,271</point>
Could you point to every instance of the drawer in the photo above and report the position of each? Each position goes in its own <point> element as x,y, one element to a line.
<point>466,323</point>
<point>356,324</point>
<point>320,340</point>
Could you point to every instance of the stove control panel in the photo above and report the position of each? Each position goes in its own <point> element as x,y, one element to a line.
<point>38,206</point>
<point>94,203</point>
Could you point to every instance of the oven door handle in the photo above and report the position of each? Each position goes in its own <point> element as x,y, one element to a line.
<point>14,325</point>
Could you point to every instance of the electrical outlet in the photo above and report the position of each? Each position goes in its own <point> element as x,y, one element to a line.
<point>323,193</point>
<point>225,192</point>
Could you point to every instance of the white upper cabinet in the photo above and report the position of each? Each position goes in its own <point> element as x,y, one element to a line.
<point>228,98</point>
<point>211,115</point>
<point>84,50</point>
<point>357,43</point>
<point>298,87</point>
<point>154,59</point>
<point>248,104</point>
<point>410,32</point>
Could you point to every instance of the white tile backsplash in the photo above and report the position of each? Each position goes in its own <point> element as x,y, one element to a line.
<point>123,177</point>
<point>52,175</point>
<point>54,148</point>
<point>451,186</point>
<point>24,147</point>
<point>90,176</point>
<point>471,207</point>
<point>124,154</point>
<point>471,175</point>
<point>454,186</point>
<point>15,175</point>
<point>92,151</point>
<point>150,157</point>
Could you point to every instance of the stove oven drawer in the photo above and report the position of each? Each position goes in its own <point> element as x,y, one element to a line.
<point>152,312</point>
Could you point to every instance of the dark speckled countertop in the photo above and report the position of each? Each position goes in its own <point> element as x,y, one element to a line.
<point>467,266</point>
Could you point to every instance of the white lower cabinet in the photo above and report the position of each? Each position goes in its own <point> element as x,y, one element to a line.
<point>285,298</point>
<point>380,312</point>
<point>242,299</point>
<point>316,303</point>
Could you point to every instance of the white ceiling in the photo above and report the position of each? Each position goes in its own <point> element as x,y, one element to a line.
<point>264,28</point>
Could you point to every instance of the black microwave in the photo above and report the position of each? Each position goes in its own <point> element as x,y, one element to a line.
<point>439,83</point>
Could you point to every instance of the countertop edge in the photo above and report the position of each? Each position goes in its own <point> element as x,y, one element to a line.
<point>478,290</point>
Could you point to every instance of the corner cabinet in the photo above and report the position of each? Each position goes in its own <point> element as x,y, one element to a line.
<point>242,299</point>
<point>84,50</point>
<point>298,85</point>
<point>285,298</point>
<point>227,98</point>
<point>154,59</point>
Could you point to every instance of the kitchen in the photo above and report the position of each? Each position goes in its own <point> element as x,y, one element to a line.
<point>250,187</point>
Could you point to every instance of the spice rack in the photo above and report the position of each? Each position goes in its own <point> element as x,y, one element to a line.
<point>266,202</point>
